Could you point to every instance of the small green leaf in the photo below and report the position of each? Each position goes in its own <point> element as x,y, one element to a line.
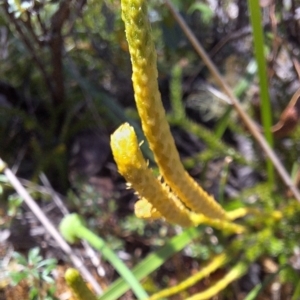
<point>20,259</point>
<point>35,274</point>
<point>48,279</point>
<point>34,257</point>
<point>33,293</point>
<point>49,263</point>
<point>14,202</point>
<point>3,179</point>
<point>16,277</point>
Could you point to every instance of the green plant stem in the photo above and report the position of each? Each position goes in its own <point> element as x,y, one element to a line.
<point>72,228</point>
<point>108,254</point>
<point>266,112</point>
<point>152,262</point>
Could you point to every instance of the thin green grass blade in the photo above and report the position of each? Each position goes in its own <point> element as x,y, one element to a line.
<point>152,262</point>
<point>110,256</point>
<point>266,112</point>
<point>72,228</point>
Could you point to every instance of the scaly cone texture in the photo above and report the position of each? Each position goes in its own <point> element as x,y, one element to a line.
<point>78,286</point>
<point>133,167</point>
<point>143,209</point>
<point>152,114</point>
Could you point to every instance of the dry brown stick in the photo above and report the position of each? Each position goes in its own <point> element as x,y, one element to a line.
<point>235,103</point>
<point>49,226</point>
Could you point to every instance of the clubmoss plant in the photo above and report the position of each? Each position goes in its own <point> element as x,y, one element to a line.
<point>78,286</point>
<point>72,228</point>
<point>157,199</point>
<point>174,195</point>
<point>134,168</point>
<point>157,131</point>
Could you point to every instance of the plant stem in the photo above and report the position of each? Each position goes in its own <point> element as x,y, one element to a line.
<point>73,228</point>
<point>266,112</point>
<point>152,262</point>
<point>236,272</point>
<point>214,264</point>
<point>78,286</point>
<point>152,113</point>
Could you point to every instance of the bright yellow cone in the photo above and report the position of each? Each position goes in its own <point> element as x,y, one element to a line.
<point>154,123</point>
<point>133,167</point>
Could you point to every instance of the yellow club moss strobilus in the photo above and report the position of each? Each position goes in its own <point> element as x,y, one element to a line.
<point>153,118</point>
<point>134,168</point>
